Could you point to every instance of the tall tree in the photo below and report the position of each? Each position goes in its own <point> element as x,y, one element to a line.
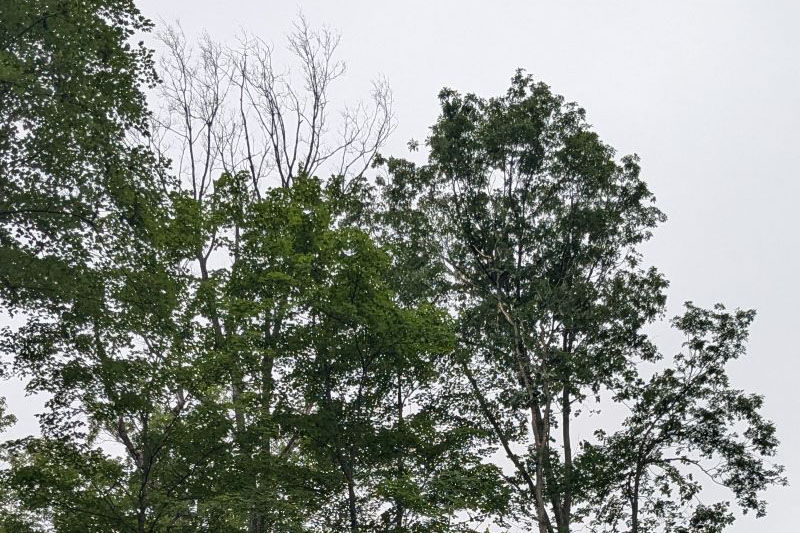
<point>533,223</point>
<point>81,212</point>
<point>231,111</point>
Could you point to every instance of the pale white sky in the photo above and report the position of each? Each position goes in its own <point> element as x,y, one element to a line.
<point>706,92</point>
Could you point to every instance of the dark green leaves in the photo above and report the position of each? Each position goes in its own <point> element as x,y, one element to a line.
<point>330,356</point>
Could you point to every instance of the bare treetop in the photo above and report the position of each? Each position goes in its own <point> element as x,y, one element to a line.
<point>231,109</point>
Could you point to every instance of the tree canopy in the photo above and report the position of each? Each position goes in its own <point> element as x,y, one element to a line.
<point>247,320</point>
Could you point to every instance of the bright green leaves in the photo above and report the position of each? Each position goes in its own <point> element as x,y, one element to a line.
<point>340,352</point>
<point>290,321</point>
<point>184,232</point>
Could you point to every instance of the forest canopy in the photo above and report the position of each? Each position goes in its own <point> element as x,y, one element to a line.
<point>247,317</point>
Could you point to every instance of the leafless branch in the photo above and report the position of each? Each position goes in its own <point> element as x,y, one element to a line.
<point>230,109</point>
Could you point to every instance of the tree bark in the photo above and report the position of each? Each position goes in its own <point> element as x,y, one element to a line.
<point>566,507</point>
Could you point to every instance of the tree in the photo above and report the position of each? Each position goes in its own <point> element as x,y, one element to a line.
<point>687,418</point>
<point>534,223</point>
<point>81,208</point>
<point>231,111</point>
<point>71,172</point>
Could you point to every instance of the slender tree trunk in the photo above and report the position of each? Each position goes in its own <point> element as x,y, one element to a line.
<point>566,418</point>
<point>351,500</point>
<point>635,501</point>
<point>540,433</point>
<point>400,463</point>
<point>566,508</point>
<point>483,404</point>
<point>219,342</point>
<point>538,439</point>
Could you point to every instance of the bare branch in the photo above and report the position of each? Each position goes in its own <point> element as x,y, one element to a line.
<point>229,109</point>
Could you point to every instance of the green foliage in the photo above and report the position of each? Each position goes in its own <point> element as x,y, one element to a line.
<point>71,174</point>
<point>529,225</point>
<point>687,418</point>
<point>330,356</point>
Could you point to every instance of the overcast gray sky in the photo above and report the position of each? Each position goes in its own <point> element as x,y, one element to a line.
<point>706,92</point>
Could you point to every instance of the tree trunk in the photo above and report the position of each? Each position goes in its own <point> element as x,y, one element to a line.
<point>566,508</point>
<point>635,501</point>
<point>400,463</point>
<point>351,504</point>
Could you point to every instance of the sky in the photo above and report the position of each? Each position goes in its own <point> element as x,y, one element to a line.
<point>707,93</point>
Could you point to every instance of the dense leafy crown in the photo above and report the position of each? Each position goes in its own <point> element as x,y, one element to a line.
<point>229,343</point>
